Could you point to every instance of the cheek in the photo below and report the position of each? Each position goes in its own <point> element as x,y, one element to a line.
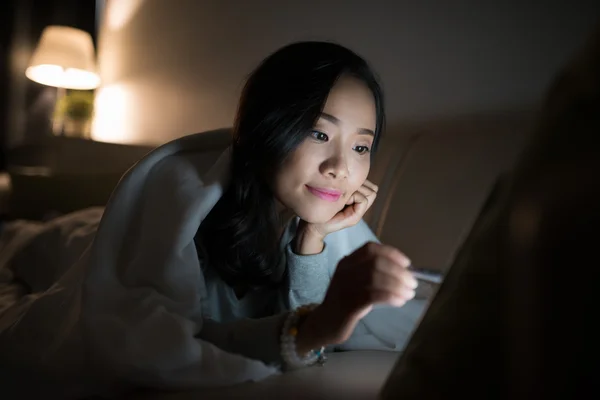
<point>288,176</point>
<point>359,175</point>
<point>280,180</point>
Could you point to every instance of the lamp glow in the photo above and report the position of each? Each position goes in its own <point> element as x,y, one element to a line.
<point>64,58</point>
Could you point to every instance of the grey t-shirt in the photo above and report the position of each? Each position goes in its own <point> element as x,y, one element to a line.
<point>251,325</point>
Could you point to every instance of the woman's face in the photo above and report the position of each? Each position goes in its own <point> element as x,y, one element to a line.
<point>317,179</point>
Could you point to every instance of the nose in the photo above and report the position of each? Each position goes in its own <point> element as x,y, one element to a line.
<point>335,166</point>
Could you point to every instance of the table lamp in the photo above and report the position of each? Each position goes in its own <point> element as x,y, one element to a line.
<point>64,58</point>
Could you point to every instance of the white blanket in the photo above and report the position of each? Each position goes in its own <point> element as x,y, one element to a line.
<point>129,308</point>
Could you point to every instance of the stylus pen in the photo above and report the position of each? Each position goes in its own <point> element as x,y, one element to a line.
<point>426,275</point>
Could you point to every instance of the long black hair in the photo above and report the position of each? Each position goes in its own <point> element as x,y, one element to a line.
<point>279,106</point>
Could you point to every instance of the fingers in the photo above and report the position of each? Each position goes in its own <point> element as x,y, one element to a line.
<point>388,275</point>
<point>369,195</point>
<point>382,270</point>
<point>384,297</point>
<point>351,199</point>
<point>371,185</point>
<point>391,289</point>
<point>368,190</point>
<point>400,284</point>
<point>391,253</point>
<point>357,197</point>
<point>373,249</point>
<point>354,212</point>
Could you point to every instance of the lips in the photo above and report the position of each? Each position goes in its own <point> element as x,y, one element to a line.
<point>330,195</point>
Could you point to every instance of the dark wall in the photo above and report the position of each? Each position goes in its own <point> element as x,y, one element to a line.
<point>180,68</point>
<point>6,12</point>
<point>25,106</point>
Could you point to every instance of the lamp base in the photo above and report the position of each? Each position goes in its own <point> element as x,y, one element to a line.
<point>58,116</point>
<point>64,123</point>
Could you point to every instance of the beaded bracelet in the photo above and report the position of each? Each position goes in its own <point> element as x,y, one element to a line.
<point>288,341</point>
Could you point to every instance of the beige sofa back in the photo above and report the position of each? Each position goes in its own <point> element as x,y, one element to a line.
<point>434,179</point>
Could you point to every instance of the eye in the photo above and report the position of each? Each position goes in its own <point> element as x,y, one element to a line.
<point>361,149</point>
<point>320,136</point>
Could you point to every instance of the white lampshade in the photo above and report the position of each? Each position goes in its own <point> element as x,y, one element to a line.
<point>64,58</point>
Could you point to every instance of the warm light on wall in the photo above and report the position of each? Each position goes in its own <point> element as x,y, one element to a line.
<point>118,13</point>
<point>111,112</point>
<point>114,105</point>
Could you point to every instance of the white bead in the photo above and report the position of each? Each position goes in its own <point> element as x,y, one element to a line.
<point>288,344</point>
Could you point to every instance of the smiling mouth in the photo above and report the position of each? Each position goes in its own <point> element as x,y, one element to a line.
<point>325,194</point>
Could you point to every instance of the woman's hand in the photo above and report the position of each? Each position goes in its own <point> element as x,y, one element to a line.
<point>373,274</point>
<point>356,207</point>
<point>309,237</point>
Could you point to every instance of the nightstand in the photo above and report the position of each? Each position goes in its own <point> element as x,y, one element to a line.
<point>63,174</point>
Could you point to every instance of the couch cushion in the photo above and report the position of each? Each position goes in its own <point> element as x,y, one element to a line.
<point>437,182</point>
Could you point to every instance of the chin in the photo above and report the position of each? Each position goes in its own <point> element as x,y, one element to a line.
<point>316,216</point>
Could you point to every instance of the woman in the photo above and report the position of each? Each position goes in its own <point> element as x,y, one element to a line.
<point>307,126</point>
<point>214,280</point>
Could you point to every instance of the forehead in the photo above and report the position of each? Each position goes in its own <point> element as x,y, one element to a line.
<point>352,102</point>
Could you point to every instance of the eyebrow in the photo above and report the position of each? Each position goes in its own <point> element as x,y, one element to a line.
<point>336,121</point>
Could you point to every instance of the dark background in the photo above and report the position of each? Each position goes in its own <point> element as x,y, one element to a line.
<point>21,25</point>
